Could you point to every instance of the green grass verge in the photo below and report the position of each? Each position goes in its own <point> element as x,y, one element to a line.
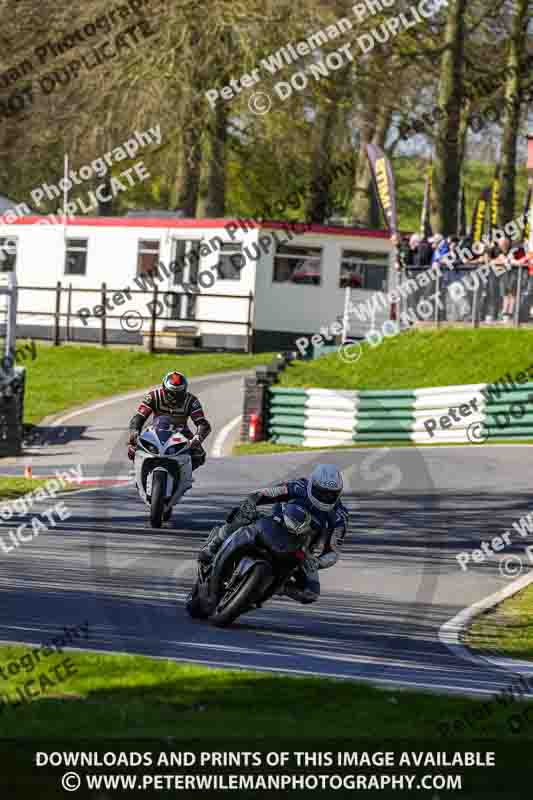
<point>506,630</point>
<point>62,377</point>
<point>262,448</point>
<point>251,449</point>
<point>11,488</point>
<point>419,359</point>
<point>137,696</point>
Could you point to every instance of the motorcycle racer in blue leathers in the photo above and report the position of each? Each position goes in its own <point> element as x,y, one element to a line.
<point>320,495</point>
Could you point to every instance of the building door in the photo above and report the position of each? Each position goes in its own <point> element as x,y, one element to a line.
<point>187,253</point>
<point>364,276</point>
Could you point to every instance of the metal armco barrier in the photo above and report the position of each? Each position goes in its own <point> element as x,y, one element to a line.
<point>465,295</point>
<point>470,413</point>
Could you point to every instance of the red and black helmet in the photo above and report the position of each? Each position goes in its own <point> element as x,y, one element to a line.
<point>175,386</point>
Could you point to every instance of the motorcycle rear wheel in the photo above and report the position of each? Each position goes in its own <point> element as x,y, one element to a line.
<point>240,599</point>
<point>157,501</point>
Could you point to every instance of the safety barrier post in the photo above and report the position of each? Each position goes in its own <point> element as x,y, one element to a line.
<point>256,403</point>
<point>250,339</point>
<point>151,342</point>
<point>57,315</point>
<point>518,297</point>
<point>103,340</point>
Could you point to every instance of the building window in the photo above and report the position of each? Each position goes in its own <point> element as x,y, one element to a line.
<point>76,257</point>
<point>186,256</point>
<point>8,254</point>
<point>363,270</point>
<point>147,256</point>
<point>230,262</point>
<point>301,265</point>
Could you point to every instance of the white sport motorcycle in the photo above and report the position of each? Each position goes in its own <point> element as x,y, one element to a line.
<point>163,468</point>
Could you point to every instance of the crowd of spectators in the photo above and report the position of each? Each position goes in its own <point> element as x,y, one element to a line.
<point>498,299</point>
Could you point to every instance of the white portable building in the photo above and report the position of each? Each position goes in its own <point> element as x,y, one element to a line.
<point>229,283</point>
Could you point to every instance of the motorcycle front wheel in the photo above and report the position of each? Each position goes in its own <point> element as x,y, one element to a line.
<point>157,501</point>
<point>194,606</point>
<point>237,599</point>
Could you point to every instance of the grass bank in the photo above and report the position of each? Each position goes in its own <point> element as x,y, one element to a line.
<point>62,377</point>
<point>262,448</point>
<point>133,696</point>
<point>506,630</point>
<point>420,359</point>
<point>11,488</point>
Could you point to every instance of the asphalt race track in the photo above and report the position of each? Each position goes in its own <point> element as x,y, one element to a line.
<point>381,608</point>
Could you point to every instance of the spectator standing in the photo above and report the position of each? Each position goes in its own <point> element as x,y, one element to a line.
<point>505,258</point>
<point>413,253</point>
<point>421,254</point>
<point>439,249</point>
<point>405,253</point>
<point>404,256</point>
<point>448,267</point>
<point>454,259</point>
<point>411,250</point>
<point>528,262</point>
<point>491,290</point>
<point>424,253</point>
<point>524,260</point>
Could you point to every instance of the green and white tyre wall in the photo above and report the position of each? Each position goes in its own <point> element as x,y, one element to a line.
<point>454,414</point>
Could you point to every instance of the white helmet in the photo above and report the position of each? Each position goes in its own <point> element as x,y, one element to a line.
<point>324,486</point>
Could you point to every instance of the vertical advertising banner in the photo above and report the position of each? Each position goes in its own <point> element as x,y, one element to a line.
<point>425,223</point>
<point>479,215</point>
<point>381,169</point>
<point>494,200</point>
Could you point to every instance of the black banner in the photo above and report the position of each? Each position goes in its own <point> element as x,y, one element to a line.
<point>381,169</point>
<point>425,221</point>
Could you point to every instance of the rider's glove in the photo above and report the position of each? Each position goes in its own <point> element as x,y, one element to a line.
<point>311,564</point>
<point>132,439</point>
<point>195,442</point>
<point>230,516</point>
<point>248,510</point>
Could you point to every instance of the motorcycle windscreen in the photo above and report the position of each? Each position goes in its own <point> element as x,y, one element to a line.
<point>165,427</point>
<point>277,538</point>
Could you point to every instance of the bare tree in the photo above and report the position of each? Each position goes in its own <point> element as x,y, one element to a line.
<point>515,75</point>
